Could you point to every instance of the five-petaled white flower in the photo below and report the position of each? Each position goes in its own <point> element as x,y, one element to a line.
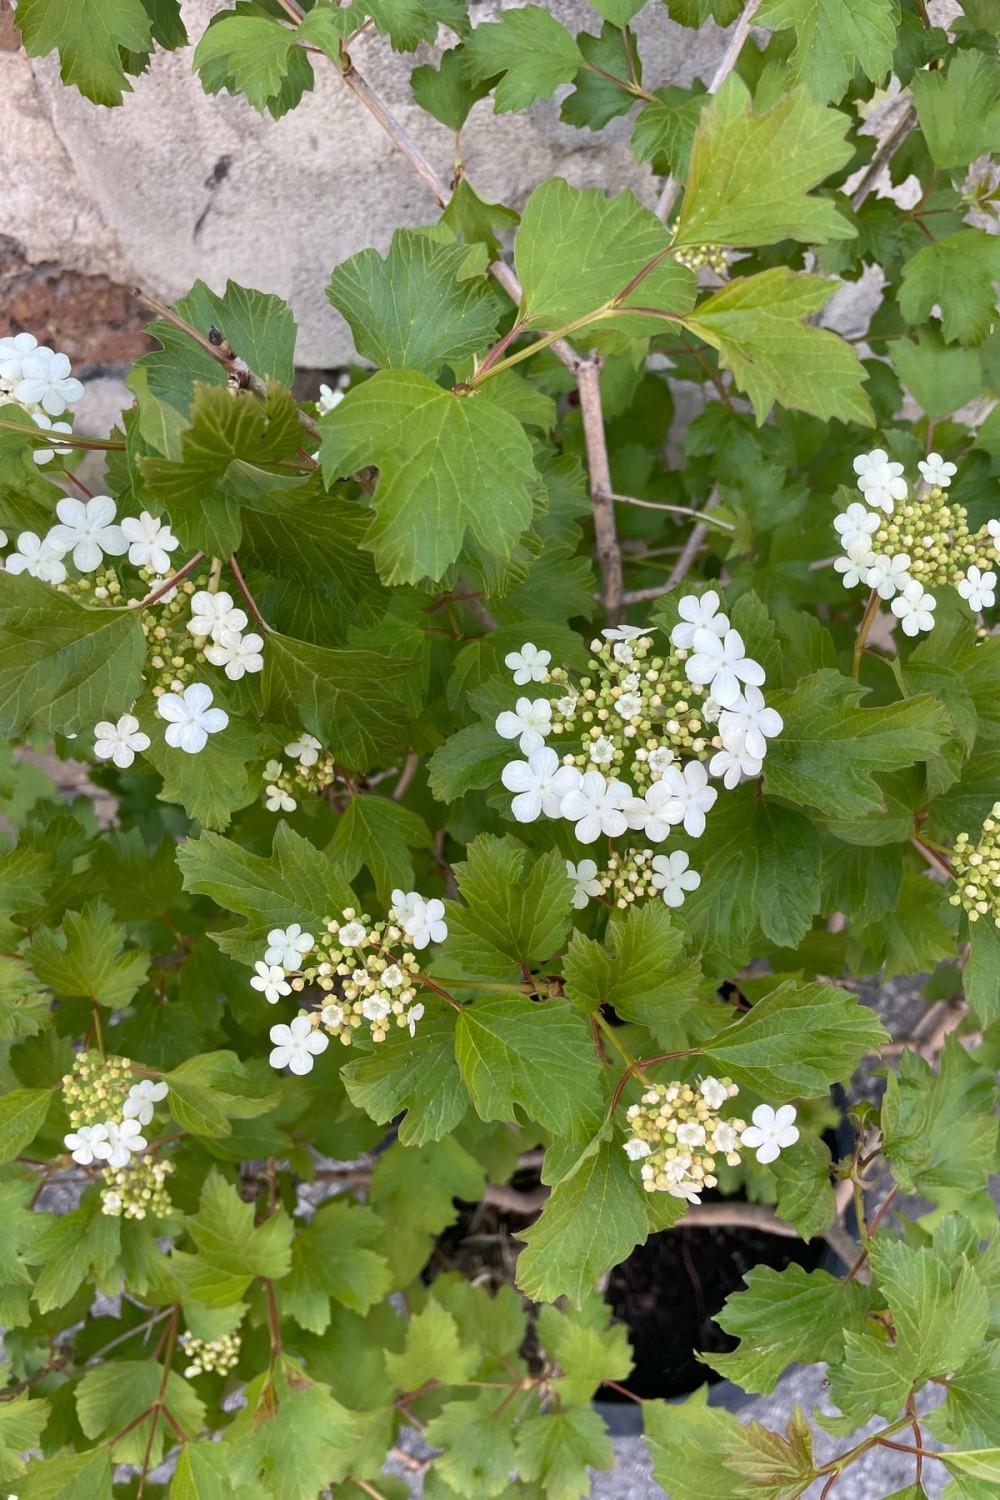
<point>724,1137</point>
<point>672,878</point>
<point>635,1149</point>
<point>142,1100</point>
<point>190,717</point>
<point>288,946</point>
<point>880,480</point>
<point>332,1015</point>
<point>425,923</point>
<point>529,723</point>
<point>585,881</point>
<point>305,749</point>
<point>713,1092</point>
<point>749,724</point>
<point>45,455</point>
<point>687,796</point>
<point>855,524</point>
<point>392,977</point>
<point>213,614</point>
<point>150,541</point>
<point>529,664</point>
<point>270,981</point>
<point>698,613</point>
<point>123,1140</point>
<point>541,783</point>
<point>888,576</point>
<point>276,799</point>
<point>722,662</point>
<point>88,1144</point>
<point>296,1045</point>
<point>14,350</point>
<point>691,1133</point>
<point>37,558</point>
<point>237,653</point>
<point>627,632</point>
<point>328,399</point>
<point>659,759</point>
<point>648,815</point>
<point>936,471</point>
<point>601,751</point>
<point>87,530</point>
<point>413,1015</point>
<point>120,742</point>
<point>376,1007</point>
<point>732,763</point>
<point>596,806</point>
<point>46,381</point>
<point>352,934</point>
<point>854,565</point>
<point>629,705</point>
<point>772,1131</point>
<point>978,588</point>
<point>914,608</point>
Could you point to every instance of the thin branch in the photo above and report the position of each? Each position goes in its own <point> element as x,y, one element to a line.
<point>684,563</point>
<point>609,557</point>
<point>727,62</point>
<point>675,510</point>
<point>251,603</point>
<point>60,441</point>
<point>172,582</point>
<point>884,154</point>
<point>410,767</point>
<point>398,134</point>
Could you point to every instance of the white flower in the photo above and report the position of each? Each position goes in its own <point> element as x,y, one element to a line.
<point>627,632</point>
<point>296,1045</point>
<point>529,723</point>
<point>270,981</point>
<point>13,352</point>
<point>404,904</point>
<point>936,471</point>
<point>914,608</point>
<point>237,653</point>
<point>111,1204</point>
<point>629,705</point>
<point>993,527</point>
<point>713,1092</point>
<point>332,1015</point>
<point>567,705</point>
<point>150,542</point>
<point>87,530</point>
<point>352,934</point>
<point>585,882</point>
<point>276,799</point>
<point>119,742</point>
<point>88,1144</point>
<point>3,538</point>
<point>305,749</point>
<point>879,480</point>
<point>698,614</point>
<point>142,1098</point>
<point>978,588</point>
<point>732,764</point>
<point>46,381</point>
<point>375,1007</point>
<point>648,814</point>
<point>529,664</point>
<point>37,558</point>
<point>747,726</point>
<point>771,1132</point>
<point>425,923</point>
<point>659,759</point>
<point>601,750</point>
<point>413,1015</point>
<point>540,782</point>
<point>855,563</point>
<point>288,946</point>
<point>724,1138</point>
<point>212,614</point>
<point>855,524</point>
<point>623,653</point>
<point>45,455</point>
<point>722,661</point>
<point>691,1133</point>
<point>686,796</point>
<point>635,1149</point>
<point>328,399</point>
<point>672,878</point>
<point>888,575</point>
<point>190,717</point>
<point>595,806</point>
<point>392,977</point>
<point>123,1141</point>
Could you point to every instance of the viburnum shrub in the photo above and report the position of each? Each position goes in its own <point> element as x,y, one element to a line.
<point>563,774</point>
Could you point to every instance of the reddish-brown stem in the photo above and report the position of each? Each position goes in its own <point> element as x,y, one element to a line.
<point>501,346</point>
<point>73,479</point>
<point>867,621</point>
<point>165,587</point>
<point>623,1391</point>
<point>877,1218</point>
<point>251,604</point>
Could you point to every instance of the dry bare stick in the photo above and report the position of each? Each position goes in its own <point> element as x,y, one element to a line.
<point>684,563</point>
<point>670,189</point>
<point>609,557</point>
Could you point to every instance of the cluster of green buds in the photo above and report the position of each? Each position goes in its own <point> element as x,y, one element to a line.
<point>977,870</point>
<point>934,533</point>
<point>100,590</point>
<point>310,770</point>
<point>175,658</point>
<point>368,973</point>
<point>210,1356</point>
<point>633,715</point>
<point>628,877</point>
<point>137,1191</point>
<point>677,1134</point>
<point>703,258</point>
<point>96,1089</point>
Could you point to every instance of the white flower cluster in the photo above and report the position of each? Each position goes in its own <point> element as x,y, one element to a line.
<point>86,532</point>
<point>108,1114</point>
<point>366,972</point>
<point>312,770</point>
<point>39,381</point>
<point>218,628</point>
<point>641,736</point>
<point>210,1356</point>
<point>677,1133</point>
<point>902,546</point>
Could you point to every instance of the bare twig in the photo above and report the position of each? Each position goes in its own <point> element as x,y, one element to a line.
<point>609,557</point>
<point>251,603</point>
<point>675,510</point>
<point>172,582</point>
<point>397,133</point>
<point>684,563</point>
<point>405,781</point>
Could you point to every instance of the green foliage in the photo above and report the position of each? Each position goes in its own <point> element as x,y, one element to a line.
<point>529,52</point>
